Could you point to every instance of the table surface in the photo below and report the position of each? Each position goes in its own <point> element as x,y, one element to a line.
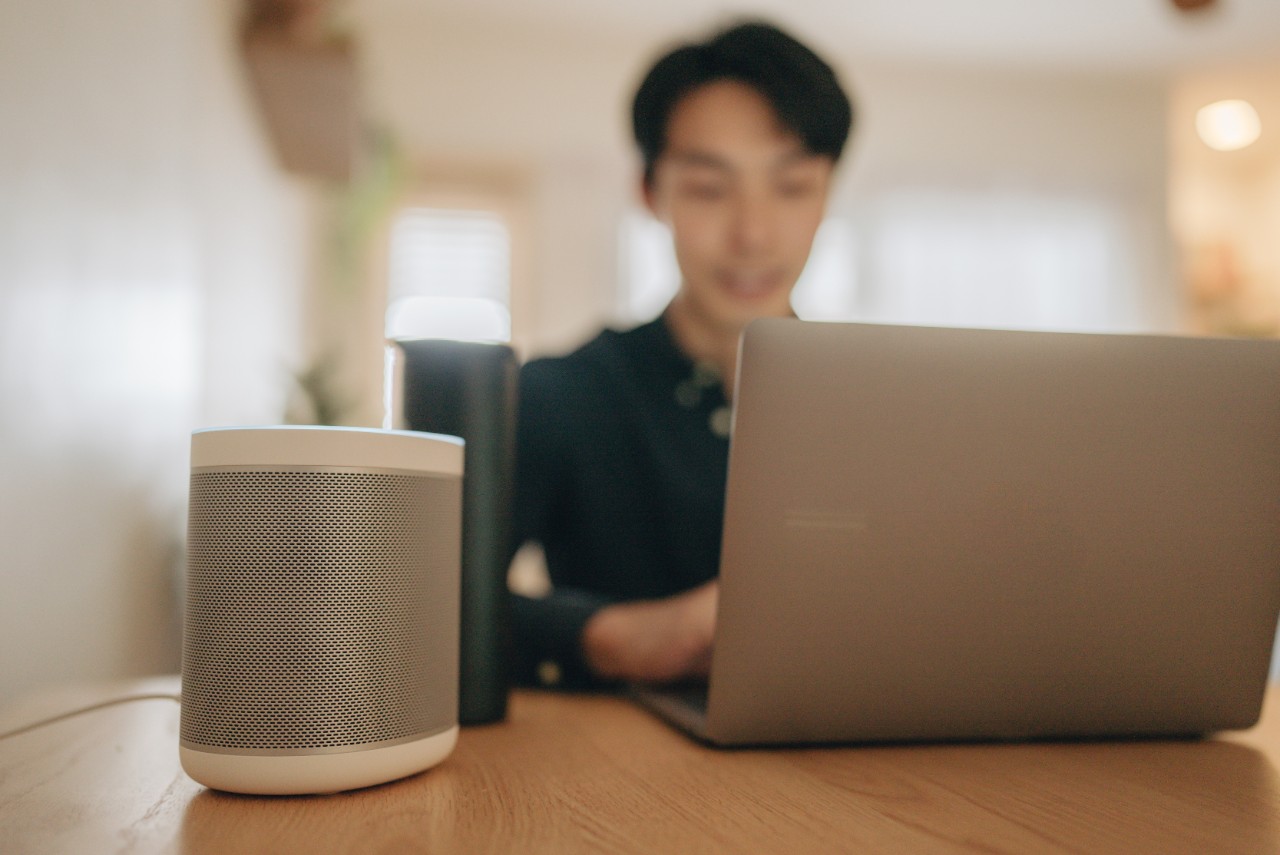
<point>595,774</point>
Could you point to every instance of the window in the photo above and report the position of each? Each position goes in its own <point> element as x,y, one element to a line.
<point>649,274</point>
<point>828,287</point>
<point>1019,260</point>
<point>1024,260</point>
<point>450,276</point>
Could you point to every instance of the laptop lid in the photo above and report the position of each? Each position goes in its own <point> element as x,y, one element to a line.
<point>968,534</point>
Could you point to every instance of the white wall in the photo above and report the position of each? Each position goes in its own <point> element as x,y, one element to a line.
<point>148,272</point>
<point>1094,141</point>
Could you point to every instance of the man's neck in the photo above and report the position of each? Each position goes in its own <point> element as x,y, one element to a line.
<point>702,340</point>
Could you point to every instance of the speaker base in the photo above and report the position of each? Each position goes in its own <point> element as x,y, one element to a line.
<point>308,774</point>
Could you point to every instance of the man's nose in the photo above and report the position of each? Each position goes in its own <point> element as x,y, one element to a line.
<point>753,223</point>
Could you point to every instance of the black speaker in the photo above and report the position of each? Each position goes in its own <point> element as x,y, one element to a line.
<point>468,390</point>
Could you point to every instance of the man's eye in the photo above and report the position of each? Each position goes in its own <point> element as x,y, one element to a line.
<point>704,191</point>
<point>796,189</point>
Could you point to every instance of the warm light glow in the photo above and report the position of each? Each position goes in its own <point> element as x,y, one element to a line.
<point>1228,125</point>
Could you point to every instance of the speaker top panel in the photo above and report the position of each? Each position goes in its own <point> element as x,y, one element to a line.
<point>290,445</point>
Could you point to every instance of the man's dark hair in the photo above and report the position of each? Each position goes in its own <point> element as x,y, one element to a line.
<point>801,88</point>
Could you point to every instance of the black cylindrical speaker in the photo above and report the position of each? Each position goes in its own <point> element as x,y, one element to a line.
<point>320,644</point>
<point>468,389</point>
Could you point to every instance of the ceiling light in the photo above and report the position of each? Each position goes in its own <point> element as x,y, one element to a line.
<point>1228,125</point>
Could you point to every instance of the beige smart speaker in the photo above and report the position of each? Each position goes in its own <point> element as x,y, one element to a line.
<point>320,648</point>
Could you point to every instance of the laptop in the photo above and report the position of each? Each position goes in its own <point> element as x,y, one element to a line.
<point>951,534</point>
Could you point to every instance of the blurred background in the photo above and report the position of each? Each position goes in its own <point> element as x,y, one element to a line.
<point>215,212</point>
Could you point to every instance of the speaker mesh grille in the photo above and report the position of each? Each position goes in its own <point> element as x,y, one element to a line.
<point>322,608</point>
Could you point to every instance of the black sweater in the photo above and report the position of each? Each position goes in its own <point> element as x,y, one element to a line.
<point>622,449</point>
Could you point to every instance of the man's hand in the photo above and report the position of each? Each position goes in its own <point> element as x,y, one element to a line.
<point>654,641</point>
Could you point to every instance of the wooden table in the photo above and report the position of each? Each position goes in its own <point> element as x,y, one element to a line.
<point>595,774</point>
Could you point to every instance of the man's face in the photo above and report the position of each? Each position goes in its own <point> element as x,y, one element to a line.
<point>743,199</point>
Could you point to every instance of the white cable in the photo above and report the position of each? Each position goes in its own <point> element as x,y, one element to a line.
<point>113,702</point>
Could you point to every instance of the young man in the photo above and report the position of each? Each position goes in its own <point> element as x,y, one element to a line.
<point>623,445</point>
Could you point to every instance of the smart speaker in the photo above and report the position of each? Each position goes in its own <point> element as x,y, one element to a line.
<point>320,648</point>
<point>468,389</point>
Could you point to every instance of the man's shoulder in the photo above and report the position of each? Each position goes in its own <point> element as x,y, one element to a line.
<point>575,396</point>
<point>563,372</point>
<point>591,365</point>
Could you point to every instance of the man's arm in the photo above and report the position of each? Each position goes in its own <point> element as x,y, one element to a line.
<point>573,638</point>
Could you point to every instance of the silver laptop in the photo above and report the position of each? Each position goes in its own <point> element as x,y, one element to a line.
<point>942,534</point>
